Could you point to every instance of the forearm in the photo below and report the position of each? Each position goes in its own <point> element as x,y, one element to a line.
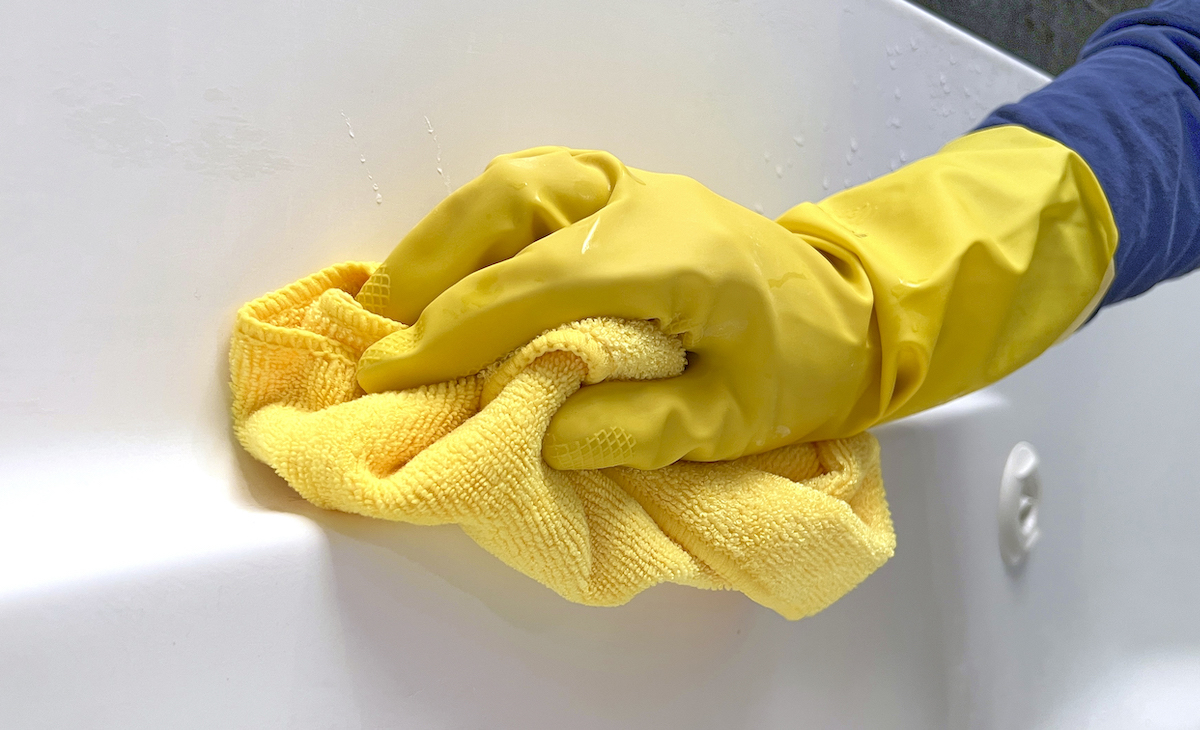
<point>1131,109</point>
<point>1082,194</point>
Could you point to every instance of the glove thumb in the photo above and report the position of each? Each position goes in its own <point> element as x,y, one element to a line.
<point>642,424</point>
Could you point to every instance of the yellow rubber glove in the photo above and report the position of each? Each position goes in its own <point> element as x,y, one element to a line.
<point>882,300</point>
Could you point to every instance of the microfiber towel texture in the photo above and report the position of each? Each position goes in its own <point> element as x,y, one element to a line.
<point>794,528</point>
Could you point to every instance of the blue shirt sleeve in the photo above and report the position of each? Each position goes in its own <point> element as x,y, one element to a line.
<point>1131,109</point>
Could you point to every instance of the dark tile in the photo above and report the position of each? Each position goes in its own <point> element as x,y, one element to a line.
<point>1046,33</point>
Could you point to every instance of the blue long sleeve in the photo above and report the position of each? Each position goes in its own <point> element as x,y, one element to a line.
<point>1131,108</point>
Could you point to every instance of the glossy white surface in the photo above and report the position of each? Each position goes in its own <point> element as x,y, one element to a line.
<point>160,164</point>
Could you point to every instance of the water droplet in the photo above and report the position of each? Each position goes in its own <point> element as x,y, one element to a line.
<point>894,164</point>
<point>779,171</point>
<point>846,183</point>
<point>437,146</point>
<point>849,158</point>
<point>953,61</point>
<point>362,159</point>
<point>903,156</point>
<point>799,140</point>
<point>913,42</point>
<point>766,157</point>
<point>889,51</point>
<point>351,134</point>
<point>892,63</point>
<point>825,182</point>
<point>758,207</point>
<point>896,93</point>
<point>378,199</point>
<point>853,145</point>
<point>375,187</point>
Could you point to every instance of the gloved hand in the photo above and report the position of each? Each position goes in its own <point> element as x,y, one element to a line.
<point>883,300</point>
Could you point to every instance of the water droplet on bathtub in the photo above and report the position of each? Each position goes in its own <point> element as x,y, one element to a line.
<point>853,145</point>
<point>378,199</point>
<point>846,183</point>
<point>375,187</point>
<point>903,156</point>
<point>892,63</point>
<point>913,42</point>
<point>362,159</point>
<point>351,134</point>
<point>799,140</point>
<point>825,183</point>
<point>758,207</point>
<point>896,93</point>
<point>849,158</point>
<point>779,171</point>
<point>766,157</point>
<point>894,164</point>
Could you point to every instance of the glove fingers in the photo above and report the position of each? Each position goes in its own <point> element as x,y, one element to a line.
<point>492,312</point>
<point>643,424</point>
<point>518,199</point>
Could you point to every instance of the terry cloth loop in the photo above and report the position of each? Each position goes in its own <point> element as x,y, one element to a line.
<point>794,528</point>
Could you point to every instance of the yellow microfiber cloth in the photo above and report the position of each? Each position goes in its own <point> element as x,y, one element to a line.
<point>794,528</point>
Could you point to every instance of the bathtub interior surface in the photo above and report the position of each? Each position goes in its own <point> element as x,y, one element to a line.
<point>160,164</point>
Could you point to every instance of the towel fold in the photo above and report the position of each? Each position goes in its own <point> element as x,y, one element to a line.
<point>794,528</point>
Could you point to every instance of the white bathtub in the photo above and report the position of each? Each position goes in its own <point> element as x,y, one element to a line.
<point>161,164</point>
